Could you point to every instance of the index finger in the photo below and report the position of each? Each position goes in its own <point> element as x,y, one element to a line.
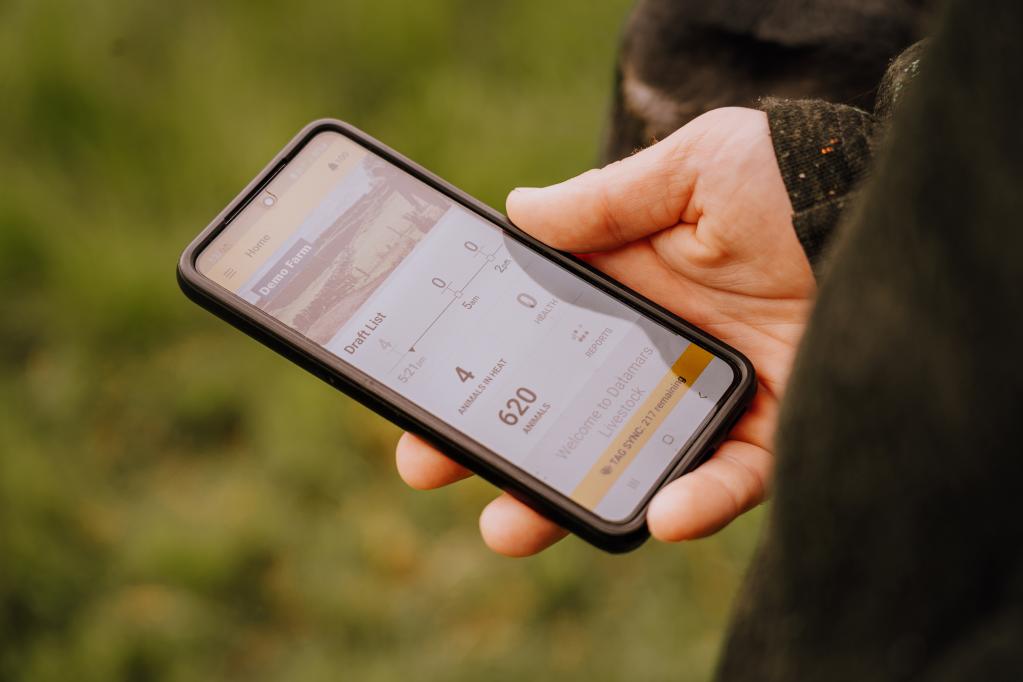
<point>423,466</point>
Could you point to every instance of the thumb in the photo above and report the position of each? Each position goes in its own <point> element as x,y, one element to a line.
<point>608,207</point>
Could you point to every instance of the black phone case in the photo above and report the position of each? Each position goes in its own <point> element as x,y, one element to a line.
<point>612,537</point>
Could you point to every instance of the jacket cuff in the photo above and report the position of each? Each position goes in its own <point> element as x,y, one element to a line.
<point>823,151</point>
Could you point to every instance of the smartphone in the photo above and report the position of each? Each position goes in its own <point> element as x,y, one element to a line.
<point>521,362</point>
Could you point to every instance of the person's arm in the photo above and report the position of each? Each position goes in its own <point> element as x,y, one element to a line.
<point>892,547</point>
<point>701,223</point>
<point>682,58</point>
<point>825,151</point>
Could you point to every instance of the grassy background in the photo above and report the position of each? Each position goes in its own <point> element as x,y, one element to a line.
<point>177,503</point>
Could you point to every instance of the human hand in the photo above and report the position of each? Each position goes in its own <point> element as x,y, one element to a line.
<point>701,223</point>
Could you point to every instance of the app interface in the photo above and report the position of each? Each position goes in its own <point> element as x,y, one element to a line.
<point>439,304</point>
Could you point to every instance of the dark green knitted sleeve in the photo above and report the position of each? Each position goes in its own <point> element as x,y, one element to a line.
<point>825,150</point>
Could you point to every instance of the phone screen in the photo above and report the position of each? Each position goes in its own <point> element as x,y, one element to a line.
<point>431,299</point>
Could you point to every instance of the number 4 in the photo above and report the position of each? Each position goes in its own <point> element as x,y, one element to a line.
<point>463,375</point>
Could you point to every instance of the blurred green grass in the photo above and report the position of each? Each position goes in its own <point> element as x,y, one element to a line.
<point>177,503</point>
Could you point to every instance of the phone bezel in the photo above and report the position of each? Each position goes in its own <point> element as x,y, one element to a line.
<point>610,536</point>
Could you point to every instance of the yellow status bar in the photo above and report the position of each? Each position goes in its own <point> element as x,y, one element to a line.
<point>641,426</point>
